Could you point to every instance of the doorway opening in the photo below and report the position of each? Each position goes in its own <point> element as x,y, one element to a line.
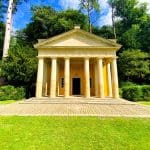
<point>76,86</point>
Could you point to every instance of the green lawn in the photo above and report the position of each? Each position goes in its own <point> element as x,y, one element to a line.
<point>7,101</point>
<point>74,133</point>
<point>144,102</point>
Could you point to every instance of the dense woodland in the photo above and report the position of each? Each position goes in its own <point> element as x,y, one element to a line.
<point>131,28</point>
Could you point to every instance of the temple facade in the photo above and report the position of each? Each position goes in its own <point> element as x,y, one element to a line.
<point>77,63</point>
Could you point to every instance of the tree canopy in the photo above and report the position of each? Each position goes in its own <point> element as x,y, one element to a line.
<point>21,65</point>
<point>46,22</point>
<point>134,65</point>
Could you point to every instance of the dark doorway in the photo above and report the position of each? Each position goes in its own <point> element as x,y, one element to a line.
<point>76,86</point>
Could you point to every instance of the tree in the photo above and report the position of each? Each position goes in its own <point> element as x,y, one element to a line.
<point>12,6</point>
<point>20,67</point>
<point>112,5</point>
<point>144,36</point>
<point>134,66</point>
<point>133,17</point>
<point>130,38</point>
<point>105,31</point>
<point>90,6</point>
<point>46,22</point>
<point>127,11</point>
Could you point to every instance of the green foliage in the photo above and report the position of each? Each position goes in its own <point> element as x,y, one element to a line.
<point>46,22</point>
<point>72,18</point>
<point>134,66</point>
<point>133,24</point>
<point>127,83</point>
<point>11,93</point>
<point>145,36</point>
<point>136,92</point>
<point>130,37</point>
<point>146,92</point>
<point>20,67</point>
<point>105,31</point>
<point>130,12</point>
<point>132,93</point>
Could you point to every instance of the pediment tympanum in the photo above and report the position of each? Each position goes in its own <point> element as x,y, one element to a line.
<point>76,38</point>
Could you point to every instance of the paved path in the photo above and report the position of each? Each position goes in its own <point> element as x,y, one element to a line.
<point>103,108</point>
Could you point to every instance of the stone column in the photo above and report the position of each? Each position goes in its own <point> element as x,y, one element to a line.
<point>87,77</point>
<point>67,77</point>
<point>109,79</point>
<point>96,80</point>
<point>53,78</point>
<point>100,77</point>
<point>39,82</point>
<point>115,79</point>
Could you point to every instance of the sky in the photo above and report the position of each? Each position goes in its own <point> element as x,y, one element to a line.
<point>23,15</point>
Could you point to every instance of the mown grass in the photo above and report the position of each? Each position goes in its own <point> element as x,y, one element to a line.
<point>74,133</point>
<point>144,102</point>
<point>7,101</point>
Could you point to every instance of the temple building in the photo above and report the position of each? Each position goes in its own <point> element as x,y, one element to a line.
<point>77,63</point>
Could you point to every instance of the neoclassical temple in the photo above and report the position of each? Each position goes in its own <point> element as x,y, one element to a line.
<point>77,63</point>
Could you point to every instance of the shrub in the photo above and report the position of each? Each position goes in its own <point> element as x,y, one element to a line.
<point>136,93</point>
<point>133,93</point>
<point>11,93</point>
<point>146,92</point>
<point>120,92</point>
<point>127,83</point>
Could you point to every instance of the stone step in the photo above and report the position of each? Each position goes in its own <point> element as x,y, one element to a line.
<point>76,101</point>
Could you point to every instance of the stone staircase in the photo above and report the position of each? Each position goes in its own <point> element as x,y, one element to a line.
<point>77,100</point>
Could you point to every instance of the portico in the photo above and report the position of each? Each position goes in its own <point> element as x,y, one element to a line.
<point>77,63</point>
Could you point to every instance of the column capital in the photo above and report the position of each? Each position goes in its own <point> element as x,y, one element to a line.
<point>99,58</point>
<point>108,60</point>
<point>88,57</point>
<point>66,57</point>
<point>112,58</point>
<point>40,57</point>
<point>53,57</point>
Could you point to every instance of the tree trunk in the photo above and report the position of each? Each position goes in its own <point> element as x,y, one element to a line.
<point>113,22</point>
<point>8,29</point>
<point>90,28</point>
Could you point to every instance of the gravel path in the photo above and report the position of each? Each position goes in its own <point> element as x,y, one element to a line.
<point>103,108</point>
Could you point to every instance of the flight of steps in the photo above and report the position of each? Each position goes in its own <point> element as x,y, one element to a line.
<point>77,100</point>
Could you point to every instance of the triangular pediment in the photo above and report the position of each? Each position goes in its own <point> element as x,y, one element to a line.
<point>76,38</point>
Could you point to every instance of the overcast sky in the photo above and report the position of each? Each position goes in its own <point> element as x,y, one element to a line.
<point>23,15</point>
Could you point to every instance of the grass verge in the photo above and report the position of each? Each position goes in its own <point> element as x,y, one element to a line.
<point>74,133</point>
<point>7,101</point>
<point>145,102</point>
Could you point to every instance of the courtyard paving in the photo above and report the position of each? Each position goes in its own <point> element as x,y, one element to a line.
<point>76,107</point>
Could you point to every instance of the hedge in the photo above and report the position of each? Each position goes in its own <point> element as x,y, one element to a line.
<point>136,93</point>
<point>11,93</point>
